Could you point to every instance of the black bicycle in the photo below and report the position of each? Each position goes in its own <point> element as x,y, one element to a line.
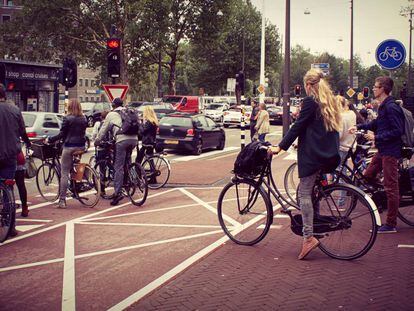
<point>7,208</point>
<point>346,231</point>
<point>83,184</point>
<point>135,185</point>
<point>157,169</point>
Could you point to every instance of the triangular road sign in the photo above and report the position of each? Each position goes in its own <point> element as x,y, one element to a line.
<point>115,90</point>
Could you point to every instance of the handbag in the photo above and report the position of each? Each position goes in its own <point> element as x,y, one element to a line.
<point>31,168</point>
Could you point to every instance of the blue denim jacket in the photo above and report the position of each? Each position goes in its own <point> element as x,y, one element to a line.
<point>388,128</point>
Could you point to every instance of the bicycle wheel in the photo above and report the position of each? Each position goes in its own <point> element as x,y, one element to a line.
<point>47,181</point>
<point>346,230</point>
<point>244,211</point>
<point>105,172</point>
<point>291,182</point>
<point>88,190</point>
<point>157,170</point>
<point>136,185</point>
<point>7,212</point>
<point>406,210</point>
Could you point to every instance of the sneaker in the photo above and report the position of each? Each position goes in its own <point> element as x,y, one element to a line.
<point>387,229</point>
<point>62,203</point>
<point>308,245</point>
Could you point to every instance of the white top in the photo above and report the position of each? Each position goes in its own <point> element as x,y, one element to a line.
<point>345,138</point>
<point>114,118</point>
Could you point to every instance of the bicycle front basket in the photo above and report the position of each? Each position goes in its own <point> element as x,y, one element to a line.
<point>43,151</point>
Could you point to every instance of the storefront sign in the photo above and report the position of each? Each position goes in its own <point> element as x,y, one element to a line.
<point>26,73</point>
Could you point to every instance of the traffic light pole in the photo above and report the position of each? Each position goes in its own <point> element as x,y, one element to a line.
<point>286,73</point>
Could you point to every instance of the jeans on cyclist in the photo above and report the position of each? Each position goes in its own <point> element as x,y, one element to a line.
<point>306,185</point>
<point>66,164</point>
<point>389,165</point>
<point>122,150</point>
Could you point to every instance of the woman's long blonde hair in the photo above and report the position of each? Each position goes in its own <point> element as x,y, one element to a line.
<point>321,91</point>
<point>75,108</point>
<point>343,102</point>
<point>149,115</point>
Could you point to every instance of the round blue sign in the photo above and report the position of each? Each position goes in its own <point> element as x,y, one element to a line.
<point>390,54</point>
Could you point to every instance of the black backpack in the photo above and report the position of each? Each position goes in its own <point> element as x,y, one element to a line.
<point>130,122</point>
<point>251,159</point>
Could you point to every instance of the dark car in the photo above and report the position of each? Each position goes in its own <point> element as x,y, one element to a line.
<point>92,111</point>
<point>160,109</point>
<point>191,132</point>
<point>135,104</point>
<point>275,114</point>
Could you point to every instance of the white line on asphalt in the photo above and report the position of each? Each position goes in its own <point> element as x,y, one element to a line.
<point>223,156</point>
<point>33,220</point>
<point>145,224</point>
<point>405,246</point>
<point>271,227</point>
<point>208,206</point>
<point>32,264</point>
<point>68,288</point>
<point>207,154</point>
<point>281,216</point>
<point>24,228</point>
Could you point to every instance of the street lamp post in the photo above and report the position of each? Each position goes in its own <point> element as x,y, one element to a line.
<point>408,12</point>
<point>286,72</point>
<point>351,57</point>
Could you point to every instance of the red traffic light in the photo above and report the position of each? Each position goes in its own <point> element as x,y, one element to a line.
<point>11,86</point>
<point>365,92</point>
<point>297,90</point>
<point>112,43</point>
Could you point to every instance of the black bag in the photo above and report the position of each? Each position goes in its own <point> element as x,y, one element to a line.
<point>406,180</point>
<point>31,168</point>
<point>130,122</point>
<point>251,159</point>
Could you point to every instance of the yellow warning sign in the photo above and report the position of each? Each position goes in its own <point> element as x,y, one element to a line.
<point>350,92</point>
<point>261,89</point>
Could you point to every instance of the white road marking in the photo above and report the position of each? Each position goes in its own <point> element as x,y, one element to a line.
<point>281,216</point>
<point>271,227</point>
<point>209,207</point>
<point>68,289</point>
<point>405,246</point>
<point>146,225</point>
<point>47,194</point>
<point>291,156</point>
<point>203,155</point>
<point>24,228</point>
<point>33,220</point>
<point>30,265</point>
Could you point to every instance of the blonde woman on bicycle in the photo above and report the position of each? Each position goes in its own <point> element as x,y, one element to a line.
<point>149,132</point>
<point>317,128</point>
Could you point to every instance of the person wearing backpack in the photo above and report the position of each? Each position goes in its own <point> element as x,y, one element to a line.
<point>123,124</point>
<point>388,130</point>
<point>317,128</point>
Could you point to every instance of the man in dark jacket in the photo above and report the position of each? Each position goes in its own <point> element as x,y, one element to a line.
<point>11,130</point>
<point>388,129</point>
<point>253,119</point>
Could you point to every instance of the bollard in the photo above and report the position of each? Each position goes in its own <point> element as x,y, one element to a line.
<point>242,128</point>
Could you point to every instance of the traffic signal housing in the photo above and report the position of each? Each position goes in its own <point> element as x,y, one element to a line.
<point>297,90</point>
<point>113,49</point>
<point>2,73</point>
<point>69,73</point>
<point>365,91</point>
<point>240,82</point>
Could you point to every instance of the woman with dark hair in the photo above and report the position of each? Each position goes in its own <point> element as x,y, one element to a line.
<point>72,133</point>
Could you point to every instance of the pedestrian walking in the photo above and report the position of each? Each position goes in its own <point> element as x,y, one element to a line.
<point>12,129</point>
<point>387,130</point>
<point>116,122</point>
<point>253,119</point>
<point>317,127</point>
<point>263,124</point>
<point>72,133</point>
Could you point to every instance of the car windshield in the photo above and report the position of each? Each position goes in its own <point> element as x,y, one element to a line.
<point>176,121</point>
<point>87,106</point>
<point>171,99</point>
<point>29,119</point>
<point>215,107</point>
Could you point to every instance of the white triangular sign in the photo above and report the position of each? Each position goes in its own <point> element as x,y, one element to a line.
<point>115,90</point>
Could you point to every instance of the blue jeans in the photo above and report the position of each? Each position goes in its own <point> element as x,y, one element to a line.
<point>305,203</point>
<point>262,137</point>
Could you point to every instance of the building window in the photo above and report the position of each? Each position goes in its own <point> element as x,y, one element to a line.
<point>9,2</point>
<point>80,82</point>
<point>5,18</point>
<point>86,82</point>
<point>81,99</point>
<point>86,98</point>
<point>92,99</point>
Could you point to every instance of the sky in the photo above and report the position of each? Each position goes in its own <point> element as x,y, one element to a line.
<point>329,22</point>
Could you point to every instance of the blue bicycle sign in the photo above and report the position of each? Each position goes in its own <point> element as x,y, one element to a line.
<point>390,54</point>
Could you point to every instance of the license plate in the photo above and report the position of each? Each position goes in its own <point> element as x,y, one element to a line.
<point>171,142</point>
<point>233,119</point>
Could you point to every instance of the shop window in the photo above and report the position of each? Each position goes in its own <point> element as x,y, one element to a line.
<point>92,99</point>
<point>81,99</point>
<point>86,98</point>
<point>5,18</point>
<point>50,121</point>
<point>81,83</point>
<point>86,82</point>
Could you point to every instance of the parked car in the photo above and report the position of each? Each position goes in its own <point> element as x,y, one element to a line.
<point>275,114</point>
<point>161,109</point>
<point>215,111</point>
<point>183,103</point>
<point>43,124</point>
<point>136,104</point>
<point>194,133</point>
<point>92,111</point>
<point>233,116</point>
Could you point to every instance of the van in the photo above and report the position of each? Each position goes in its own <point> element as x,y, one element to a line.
<point>183,103</point>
